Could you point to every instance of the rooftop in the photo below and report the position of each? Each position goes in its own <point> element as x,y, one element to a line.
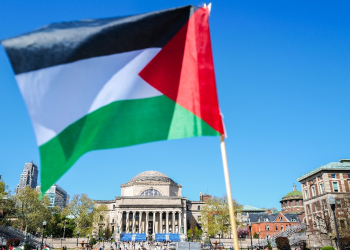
<point>150,176</point>
<point>247,208</point>
<point>343,164</point>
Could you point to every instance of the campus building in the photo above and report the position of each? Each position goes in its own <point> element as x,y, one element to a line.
<point>29,177</point>
<point>57,196</point>
<point>318,185</point>
<point>151,206</point>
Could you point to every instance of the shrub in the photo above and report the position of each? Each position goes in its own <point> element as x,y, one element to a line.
<point>345,242</point>
<point>92,241</point>
<point>282,243</point>
<point>12,242</point>
<point>269,245</point>
<point>26,246</point>
<point>327,248</point>
<point>255,235</point>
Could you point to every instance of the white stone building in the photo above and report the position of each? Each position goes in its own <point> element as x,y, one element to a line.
<point>151,205</point>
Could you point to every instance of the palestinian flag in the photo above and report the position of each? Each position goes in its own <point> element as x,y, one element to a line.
<point>116,82</point>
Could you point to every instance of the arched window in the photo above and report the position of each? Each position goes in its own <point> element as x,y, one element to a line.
<point>151,192</point>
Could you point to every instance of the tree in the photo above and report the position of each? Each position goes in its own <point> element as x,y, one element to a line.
<point>83,212</point>
<point>196,235</point>
<point>30,211</point>
<point>59,224</point>
<point>242,232</point>
<point>80,209</point>
<point>215,215</point>
<point>255,235</point>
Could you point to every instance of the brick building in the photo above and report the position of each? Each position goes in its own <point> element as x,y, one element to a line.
<point>318,185</point>
<point>270,224</point>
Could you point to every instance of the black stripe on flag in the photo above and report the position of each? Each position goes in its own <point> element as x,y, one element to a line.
<point>67,42</point>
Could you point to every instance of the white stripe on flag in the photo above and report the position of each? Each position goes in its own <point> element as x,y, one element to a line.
<point>60,95</point>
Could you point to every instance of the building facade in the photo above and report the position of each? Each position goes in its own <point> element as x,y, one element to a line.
<point>29,177</point>
<point>151,204</point>
<point>57,196</point>
<point>292,202</point>
<point>318,186</point>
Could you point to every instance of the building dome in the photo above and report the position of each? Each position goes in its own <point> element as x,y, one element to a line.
<point>294,193</point>
<point>150,176</point>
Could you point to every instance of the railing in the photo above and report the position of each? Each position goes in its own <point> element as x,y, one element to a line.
<point>11,232</point>
<point>287,233</point>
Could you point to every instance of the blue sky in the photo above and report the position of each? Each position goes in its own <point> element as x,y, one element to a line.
<point>282,70</point>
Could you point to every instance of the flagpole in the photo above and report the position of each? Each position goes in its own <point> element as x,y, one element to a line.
<point>229,193</point>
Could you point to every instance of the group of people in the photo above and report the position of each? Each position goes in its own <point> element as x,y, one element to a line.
<point>136,245</point>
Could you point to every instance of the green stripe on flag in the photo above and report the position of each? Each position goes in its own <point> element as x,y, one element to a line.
<point>119,124</point>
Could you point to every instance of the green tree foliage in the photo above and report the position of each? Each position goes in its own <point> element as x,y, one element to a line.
<point>83,212</point>
<point>59,224</point>
<point>269,245</point>
<point>215,215</point>
<point>31,212</point>
<point>327,248</point>
<point>92,241</point>
<point>196,235</point>
<point>255,235</point>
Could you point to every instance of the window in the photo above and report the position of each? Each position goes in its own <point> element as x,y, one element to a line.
<point>313,191</point>
<point>124,216</point>
<point>282,228</point>
<point>266,219</point>
<point>294,220</point>
<point>267,227</point>
<point>280,218</point>
<point>348,175</point>
<point>321,188</point>
<point>335,186</point>
<point>320,177</point>
<point>176,216</point>
<point>113,221</point>
<point>316,207</point>
<point>338,203</point>
<point>137,216</point>
<point>308,209</point>
<point>113,206</point>
<point>199,207</point>
<point>276,227</point>
<point>324,204</point>
<point>333,176</point>
<point>130,216</point>
<point>112,229</point>
<point>151,192</point>
<point>342,224</point>
<point>306,197</point>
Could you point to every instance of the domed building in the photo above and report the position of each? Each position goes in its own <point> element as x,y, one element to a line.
<point>292,202</point>
<point>150,206</point>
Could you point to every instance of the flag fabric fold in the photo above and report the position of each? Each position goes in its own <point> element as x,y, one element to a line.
<point>116,82</point>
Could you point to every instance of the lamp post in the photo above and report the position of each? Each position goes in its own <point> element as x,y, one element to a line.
<point>330,237</point>
<point>51,240</point>
<point>209,242</point>
<point>240,241</point>
<point>332,204</point>
<point>64,228</point>
<point>103,240</point>
<point>250,230</point>
<point>42,237</point>
<point>259,239</point>
<point>219,233</point>
<point>78,233</point>
<point>61,242</point>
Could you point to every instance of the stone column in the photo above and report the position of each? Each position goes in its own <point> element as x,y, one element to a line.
<point>173,222</point>
<point>180,220</point>
<point>160,222</point>
<point>154,222</point>
<point>134,222</point>
<point>140,221</point>
<point>185,223</point>
<point>147,214</point>
<point>167,222</point>
<point>127,222</point>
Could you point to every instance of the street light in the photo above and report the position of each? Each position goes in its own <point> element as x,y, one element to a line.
<point>209,242</point>
<point>42,237</point>
<point>78,237</point>
<point>250,230</point>
<point>64,228</point>
<point>259,239</point>
<point>219,233</point>
<point>240,240</point>
<point>330,237</point>
<point>103,240</point>
<point>332,204</point>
